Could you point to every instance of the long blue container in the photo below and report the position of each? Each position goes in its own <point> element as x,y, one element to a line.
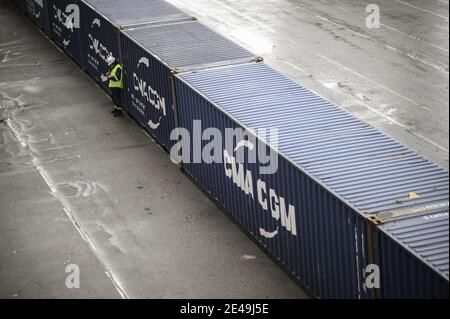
<point>65,26</point>
<point>151,55</point>
<point>341,196</point>
<point>102,21</point>
<point>38,11</point>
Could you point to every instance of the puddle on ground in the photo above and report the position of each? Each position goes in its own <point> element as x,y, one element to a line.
<point>81,189</point>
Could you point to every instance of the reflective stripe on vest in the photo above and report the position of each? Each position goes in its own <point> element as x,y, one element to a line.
<point>114,82</point>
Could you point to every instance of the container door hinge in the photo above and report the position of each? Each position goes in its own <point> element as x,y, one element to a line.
<point>376,220</point>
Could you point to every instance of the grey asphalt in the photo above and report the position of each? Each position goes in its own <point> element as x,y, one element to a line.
<point>78,186</point>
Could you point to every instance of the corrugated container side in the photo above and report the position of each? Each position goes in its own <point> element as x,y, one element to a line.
<point>99,40</point>
<point>152,54</point>
<point>38,11</point>
<point>65,26</point>
<point>423,238</point>
<point>322,246</point>
<point>373,176</point>
<point>149,97</point>
<point>29,8</point>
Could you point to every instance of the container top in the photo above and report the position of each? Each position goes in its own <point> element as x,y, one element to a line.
<point>426,237</point>
<point>369,171</point>
<point>127,13</point>
<point>188,45</point>
<point>364,167</point>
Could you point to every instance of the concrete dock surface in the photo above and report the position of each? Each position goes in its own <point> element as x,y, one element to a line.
<point>80,187</point>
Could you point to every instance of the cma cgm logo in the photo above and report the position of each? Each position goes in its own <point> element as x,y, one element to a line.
<point>38,12</point>
<point>95,45</point>
<point>69,19</point>
<point>149,95</point>
<point>267,197</point>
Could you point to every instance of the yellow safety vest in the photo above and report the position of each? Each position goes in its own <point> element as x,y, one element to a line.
<point>114,82</point>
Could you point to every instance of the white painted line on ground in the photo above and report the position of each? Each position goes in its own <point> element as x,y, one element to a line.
<point>414,37</point>
<point>372,81</point>
<point>390,119</point>
<point>122,292</point>
<point>91,245</point>
<point>427,140</point>
<point>293,66</point>
<point>409,55</point>
<point>343,26</point>
<point>264,27</point>
<point>44,176</point>
<point>422,9</point>
<point>16,134</point>
<point>438,68</point>
<point>68,211</point>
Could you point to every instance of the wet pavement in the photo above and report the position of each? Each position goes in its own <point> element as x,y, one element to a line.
<point>78,186</point>
<point>394,78</point>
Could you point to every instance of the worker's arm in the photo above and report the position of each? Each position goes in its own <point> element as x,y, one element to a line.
<point>108,74</point>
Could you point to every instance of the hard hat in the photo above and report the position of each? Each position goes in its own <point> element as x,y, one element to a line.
<point>110,60</point>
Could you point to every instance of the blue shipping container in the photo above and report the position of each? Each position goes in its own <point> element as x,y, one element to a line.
<point>29,8</point>
<point>413,254</point>
<point>152,54</point>
<point>65,26</point>
<point>100,24</point>
<point>20,3</point>
<point>339,183</point>
<point>38,11</point>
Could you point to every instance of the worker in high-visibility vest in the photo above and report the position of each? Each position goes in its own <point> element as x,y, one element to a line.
<point>115,84</point>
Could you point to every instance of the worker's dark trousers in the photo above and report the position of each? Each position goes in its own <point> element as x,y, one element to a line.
<point>116,95</point>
